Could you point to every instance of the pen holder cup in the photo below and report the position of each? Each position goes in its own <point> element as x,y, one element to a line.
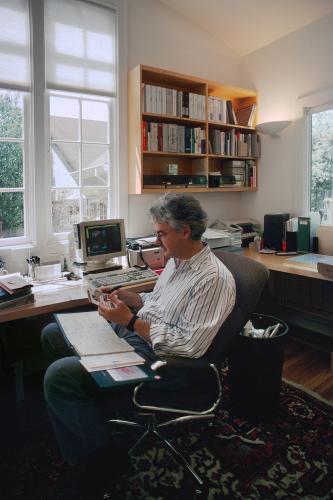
<point>31,271</point>
<point>291,241</point>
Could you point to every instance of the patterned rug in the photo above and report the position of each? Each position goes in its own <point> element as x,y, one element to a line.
<point>290,458</point>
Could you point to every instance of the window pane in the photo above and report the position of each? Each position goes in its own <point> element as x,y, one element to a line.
<point>64,118</point>
<point>94,204</point>
<point>65,209</point>
<point>65,164</point>
<point>11,114</point>
<point>11,165</point>
<point>322,165</point>
<point>95,121</point>
<point>11,215</point>
<point>95,165</point>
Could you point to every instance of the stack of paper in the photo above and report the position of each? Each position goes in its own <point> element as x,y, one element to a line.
<point>97,344</point>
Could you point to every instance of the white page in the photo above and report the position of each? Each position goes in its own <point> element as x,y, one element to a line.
<point>90,334</point>
<point>105,361</point>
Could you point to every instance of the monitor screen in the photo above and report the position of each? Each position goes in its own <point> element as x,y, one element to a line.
<point>102,240</point>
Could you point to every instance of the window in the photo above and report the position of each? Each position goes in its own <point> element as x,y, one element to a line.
<point>58,140</point>
<point>14,120</point>
<point>80,62</point>
<point>321,162</point>
<point>81,159</point>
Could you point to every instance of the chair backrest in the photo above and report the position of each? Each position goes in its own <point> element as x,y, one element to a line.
<point>250,278</point>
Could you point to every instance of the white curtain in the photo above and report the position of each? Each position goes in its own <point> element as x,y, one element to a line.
<point>15,44</point>
<point>80,52</point>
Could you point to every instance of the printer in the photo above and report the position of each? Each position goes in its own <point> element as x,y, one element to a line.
<point>241,231</point>
<point>216,238</point>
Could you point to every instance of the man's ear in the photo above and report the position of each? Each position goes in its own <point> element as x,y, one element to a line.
<point>187,232</point>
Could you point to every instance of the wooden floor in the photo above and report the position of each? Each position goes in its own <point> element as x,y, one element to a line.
<point>310,368</point>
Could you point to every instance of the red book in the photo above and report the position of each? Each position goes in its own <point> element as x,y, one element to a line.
<point>144,136</point>
<point>160,137</point>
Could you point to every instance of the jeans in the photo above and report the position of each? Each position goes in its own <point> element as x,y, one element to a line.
<point>77,408</point>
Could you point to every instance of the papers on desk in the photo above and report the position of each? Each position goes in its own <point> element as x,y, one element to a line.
<point>97,344</point>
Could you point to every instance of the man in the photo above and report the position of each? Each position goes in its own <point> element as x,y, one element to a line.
<point>190,301</point>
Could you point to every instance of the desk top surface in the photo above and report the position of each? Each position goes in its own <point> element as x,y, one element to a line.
<point>54,297</point>
<point>282,264</point>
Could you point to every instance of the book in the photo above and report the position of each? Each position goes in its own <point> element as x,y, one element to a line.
<point>10,300</point>
<point>303,234</point>
<point>90,334</point>
<point>14,283</point>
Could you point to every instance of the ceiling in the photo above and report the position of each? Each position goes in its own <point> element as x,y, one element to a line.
<point>244,26</point>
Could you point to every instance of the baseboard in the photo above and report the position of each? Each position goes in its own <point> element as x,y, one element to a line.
<point>308,391</point>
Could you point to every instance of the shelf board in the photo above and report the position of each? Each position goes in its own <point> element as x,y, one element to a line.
<point>230,126</point>
<point>173,119</point>
<point>147,190</point>
<point>228,157</point>
<point>173,155</point>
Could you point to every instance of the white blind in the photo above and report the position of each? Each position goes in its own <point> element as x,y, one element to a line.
<point>15,44</point>
<point>80,52</point>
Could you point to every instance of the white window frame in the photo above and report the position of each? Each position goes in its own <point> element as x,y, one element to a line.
<point>308,112</point>
<point>43,237</point>
<point>113,171</point>
<point>27,187</point>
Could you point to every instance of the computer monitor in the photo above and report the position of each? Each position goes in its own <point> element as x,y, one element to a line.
<point>100,241</point>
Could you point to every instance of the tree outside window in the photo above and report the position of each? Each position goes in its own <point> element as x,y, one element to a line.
<point>11,165</point>
<point>321,199</point>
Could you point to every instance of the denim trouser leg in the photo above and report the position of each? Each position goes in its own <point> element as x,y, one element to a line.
<point>72,397</point>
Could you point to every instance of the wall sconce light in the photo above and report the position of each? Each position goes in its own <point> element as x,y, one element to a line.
<point>272,128</point>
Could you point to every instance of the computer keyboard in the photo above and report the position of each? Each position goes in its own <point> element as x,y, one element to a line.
<point>123,277</point>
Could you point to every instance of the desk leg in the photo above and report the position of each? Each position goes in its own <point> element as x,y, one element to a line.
<point>19,381</point>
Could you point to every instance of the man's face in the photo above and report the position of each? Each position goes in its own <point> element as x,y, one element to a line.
<point>171,241</point>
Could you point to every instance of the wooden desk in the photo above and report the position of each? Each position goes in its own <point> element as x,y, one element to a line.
<point>302,297</point>
<point>57,297</point>
<point>282,264</point>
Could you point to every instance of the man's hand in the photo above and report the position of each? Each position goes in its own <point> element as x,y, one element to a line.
<point>119,313</point>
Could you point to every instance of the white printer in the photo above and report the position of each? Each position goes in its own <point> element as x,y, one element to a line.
<point>216,238</point>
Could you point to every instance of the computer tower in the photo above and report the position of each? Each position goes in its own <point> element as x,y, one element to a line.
<point>273,230</point>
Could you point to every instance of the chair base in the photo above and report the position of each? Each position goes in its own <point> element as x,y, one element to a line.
<point>151,430</point>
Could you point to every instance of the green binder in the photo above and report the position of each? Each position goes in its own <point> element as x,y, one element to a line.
<point>303,235</point>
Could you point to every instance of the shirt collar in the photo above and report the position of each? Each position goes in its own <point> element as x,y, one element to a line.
<point>194,262</point>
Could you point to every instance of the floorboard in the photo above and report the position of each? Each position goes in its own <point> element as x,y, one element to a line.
<point>308,367</point>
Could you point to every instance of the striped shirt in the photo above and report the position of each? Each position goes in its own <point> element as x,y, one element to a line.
<point>188,305</point>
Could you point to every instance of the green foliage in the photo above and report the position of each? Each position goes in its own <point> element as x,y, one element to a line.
<point>322,158</point>
<point>11,162</point>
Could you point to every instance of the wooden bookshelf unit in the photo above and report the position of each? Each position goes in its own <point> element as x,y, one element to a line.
<point>182,135</point>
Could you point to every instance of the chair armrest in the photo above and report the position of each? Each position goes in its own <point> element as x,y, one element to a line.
<point>194,365</point>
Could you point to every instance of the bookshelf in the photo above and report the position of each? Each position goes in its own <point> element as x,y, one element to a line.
<point>181,138</point>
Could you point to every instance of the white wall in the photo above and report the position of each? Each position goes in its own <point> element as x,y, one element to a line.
<point>287,75</point>
<point>157,36</point>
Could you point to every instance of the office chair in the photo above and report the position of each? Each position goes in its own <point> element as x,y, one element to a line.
<point>202,374</point>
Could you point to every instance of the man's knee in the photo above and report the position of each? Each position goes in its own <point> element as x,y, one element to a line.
<point>48,334</point>
<point>66,377</point>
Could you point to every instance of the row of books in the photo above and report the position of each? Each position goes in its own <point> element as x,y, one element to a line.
<point>234,143</point>
<point>164,101</point>
<point>243,172</point>
<point>171,138</point>
<point>14,290</point>
<point>222,110</point>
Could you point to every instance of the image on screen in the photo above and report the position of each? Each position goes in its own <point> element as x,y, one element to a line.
<point>102,240</point>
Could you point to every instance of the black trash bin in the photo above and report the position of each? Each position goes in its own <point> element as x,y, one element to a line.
<point>255,371</point>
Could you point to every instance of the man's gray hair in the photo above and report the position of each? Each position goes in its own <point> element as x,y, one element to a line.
<point>180,210</point>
